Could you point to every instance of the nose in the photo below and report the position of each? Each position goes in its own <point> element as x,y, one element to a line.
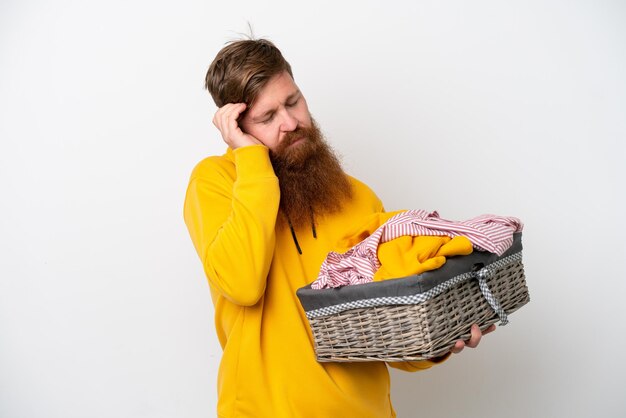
<point>288,122</point>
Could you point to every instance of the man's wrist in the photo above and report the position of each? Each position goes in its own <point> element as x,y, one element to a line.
<point>253,161</point>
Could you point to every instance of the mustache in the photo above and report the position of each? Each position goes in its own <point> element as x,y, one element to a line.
<point>285,155</point>
<point>298,133</point>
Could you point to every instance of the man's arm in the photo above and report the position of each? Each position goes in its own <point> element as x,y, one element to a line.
<point>231,213</point>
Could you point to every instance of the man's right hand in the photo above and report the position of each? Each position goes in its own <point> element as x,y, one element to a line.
<point>225,120</point>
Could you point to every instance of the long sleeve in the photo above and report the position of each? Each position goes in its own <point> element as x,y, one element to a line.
<point>230,210</point>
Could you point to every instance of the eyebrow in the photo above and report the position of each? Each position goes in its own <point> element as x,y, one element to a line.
<point>270,112</point>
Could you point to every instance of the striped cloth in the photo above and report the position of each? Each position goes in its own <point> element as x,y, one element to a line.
<point>490,233</point>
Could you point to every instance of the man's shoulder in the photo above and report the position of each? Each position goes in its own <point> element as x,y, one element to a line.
<point>214,165</point>
<point>358,184</point>
<point>363,192</point>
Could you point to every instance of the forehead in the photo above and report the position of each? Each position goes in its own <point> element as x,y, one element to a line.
<point>277,90</point>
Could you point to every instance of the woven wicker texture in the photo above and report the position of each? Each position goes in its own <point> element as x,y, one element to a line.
<point>419,331</point>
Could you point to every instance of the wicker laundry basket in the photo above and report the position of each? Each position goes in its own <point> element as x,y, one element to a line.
<point>417,317</point>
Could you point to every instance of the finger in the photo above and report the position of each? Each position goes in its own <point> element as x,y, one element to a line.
<point>491,328</point>
<point>225,120</point>
<point>225,112</point>
<point>233,111</point>
<point>475,336</point>
<point>231,119</point>
<point>217,117</point>
<point>458,347</point>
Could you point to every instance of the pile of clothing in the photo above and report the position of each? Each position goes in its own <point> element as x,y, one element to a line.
<point>398,244</point>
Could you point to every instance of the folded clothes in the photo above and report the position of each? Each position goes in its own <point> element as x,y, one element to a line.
<point>411,242</point>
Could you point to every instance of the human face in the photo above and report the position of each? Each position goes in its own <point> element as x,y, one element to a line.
<point>278,109</point>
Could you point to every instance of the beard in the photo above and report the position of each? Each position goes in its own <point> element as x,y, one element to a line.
<point>312,182</point>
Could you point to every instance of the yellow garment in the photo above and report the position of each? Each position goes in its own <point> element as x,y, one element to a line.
<point>365,229</point>
<point>268,367</point>
<point>407,255</point>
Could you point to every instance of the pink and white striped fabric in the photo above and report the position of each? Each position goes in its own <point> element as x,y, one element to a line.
<point>490,233</point>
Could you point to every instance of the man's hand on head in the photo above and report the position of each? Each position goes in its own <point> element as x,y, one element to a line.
<point>225,120</point>
<point>475,336</point>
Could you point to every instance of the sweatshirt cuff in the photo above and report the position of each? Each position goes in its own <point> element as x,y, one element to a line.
<point>253,161</point>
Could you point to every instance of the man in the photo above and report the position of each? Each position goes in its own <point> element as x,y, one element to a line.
<point>262,218</point>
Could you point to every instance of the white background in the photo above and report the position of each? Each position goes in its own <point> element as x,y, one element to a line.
<point>515,108</point>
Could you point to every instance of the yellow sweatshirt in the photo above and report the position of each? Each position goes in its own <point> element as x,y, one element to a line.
<point>268,368</point>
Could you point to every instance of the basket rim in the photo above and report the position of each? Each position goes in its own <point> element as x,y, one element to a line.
<point>418,297</point>
<point>313,299</point>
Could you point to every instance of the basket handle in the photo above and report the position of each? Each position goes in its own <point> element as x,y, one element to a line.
<point>482,275</point>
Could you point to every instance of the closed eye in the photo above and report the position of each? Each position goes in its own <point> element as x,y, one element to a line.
<point>268,119</point>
